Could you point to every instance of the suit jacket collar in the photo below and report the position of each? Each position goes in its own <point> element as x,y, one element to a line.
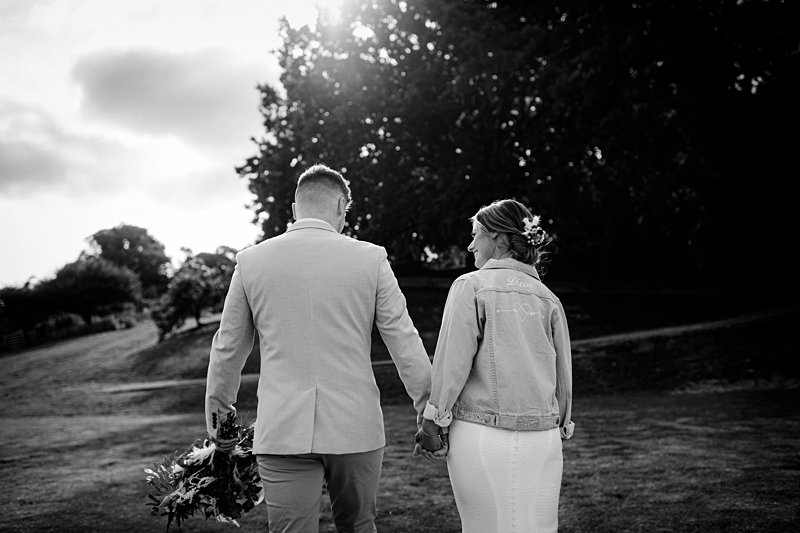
<point>311,223</point>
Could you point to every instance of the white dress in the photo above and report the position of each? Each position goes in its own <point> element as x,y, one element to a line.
<point>505,481</point>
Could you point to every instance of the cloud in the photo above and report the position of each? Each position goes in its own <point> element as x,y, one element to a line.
<point>14,12</point>
<point>205,97</point>
<point>211,186</point>
<point>36,153</point>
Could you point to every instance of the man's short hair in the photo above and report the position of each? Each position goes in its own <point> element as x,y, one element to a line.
<point>321,178</point>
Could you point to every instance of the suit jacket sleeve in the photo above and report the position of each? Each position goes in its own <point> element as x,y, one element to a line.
<point>230,347</point>
<point>401,337</point>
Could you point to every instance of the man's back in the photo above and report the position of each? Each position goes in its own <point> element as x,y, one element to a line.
<point>313,295</point>
<point>312,292</point>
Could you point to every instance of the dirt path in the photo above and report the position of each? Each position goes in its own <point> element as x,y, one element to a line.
<point>681,330</point>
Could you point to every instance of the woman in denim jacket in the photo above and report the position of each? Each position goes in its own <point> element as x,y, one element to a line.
<point>502,380</point>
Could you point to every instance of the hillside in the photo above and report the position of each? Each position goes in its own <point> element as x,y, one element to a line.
<point>70,377</point>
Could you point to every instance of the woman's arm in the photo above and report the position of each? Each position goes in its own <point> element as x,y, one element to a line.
<point>563,349</point>
<point>459,338</point>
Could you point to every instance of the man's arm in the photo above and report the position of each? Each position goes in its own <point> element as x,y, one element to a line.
<point>401,337</point>
<point>232,344</point>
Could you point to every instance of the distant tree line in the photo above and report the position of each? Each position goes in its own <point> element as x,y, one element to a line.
<point>124,272</point>
<point>652,136</point>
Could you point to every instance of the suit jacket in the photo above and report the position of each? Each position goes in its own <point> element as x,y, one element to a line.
<point>313,295</point>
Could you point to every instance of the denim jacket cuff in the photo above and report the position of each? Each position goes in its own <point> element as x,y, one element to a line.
<point>442,419</point>
<point>567,431</point>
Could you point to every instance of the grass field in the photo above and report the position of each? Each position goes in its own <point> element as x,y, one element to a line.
<point>696,431</point>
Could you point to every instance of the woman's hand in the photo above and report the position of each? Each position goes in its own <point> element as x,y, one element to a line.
<point>431,441</point>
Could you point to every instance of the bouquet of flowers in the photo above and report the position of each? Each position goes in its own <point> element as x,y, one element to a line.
<point>222,485</point>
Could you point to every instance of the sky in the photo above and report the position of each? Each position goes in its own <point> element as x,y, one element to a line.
<point>130,112</point>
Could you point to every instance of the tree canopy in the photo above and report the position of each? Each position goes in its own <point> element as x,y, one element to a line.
<point>134,248</point>
<point>200,284</point>
<point>649,135</point>
<point>90,286</point>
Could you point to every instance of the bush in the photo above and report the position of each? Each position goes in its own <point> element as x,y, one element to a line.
<point>106,323</point>
<point>64,321</point>
<point>92,287</point>
<point>166,317</point>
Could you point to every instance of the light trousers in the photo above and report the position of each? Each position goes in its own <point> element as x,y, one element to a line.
<point>293,490</point>
<point>505,481</point>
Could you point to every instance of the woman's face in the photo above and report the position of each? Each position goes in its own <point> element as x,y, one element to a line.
<point>482,245</point>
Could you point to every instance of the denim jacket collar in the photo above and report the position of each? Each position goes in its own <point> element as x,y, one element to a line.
<point>512,264</point>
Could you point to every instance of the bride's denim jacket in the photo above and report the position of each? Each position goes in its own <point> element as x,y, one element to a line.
<point>503,356</point>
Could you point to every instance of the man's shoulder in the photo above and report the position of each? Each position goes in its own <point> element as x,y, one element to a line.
<point>364,246</point>
<point>348,245</point>
<point>251,250</point>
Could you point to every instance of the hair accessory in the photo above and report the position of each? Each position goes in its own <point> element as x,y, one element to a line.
<point>533,233</point>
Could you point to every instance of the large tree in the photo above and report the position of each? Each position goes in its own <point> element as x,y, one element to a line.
<point>642,132</point>
<point>200,284</point>
<point>134,248</point>
<point>91,286</point>
<point>23,307</point>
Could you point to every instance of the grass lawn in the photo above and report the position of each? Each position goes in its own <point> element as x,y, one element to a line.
<point>697,432</point>
<point>708,462</point>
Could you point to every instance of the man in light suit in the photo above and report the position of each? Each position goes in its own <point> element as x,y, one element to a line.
<point>312,295</point>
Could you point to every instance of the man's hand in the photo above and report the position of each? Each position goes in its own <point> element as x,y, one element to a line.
<point>431,442</point>
<point>225,445</point>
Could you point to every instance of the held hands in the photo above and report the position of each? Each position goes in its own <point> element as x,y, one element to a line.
<point>431,441</point>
